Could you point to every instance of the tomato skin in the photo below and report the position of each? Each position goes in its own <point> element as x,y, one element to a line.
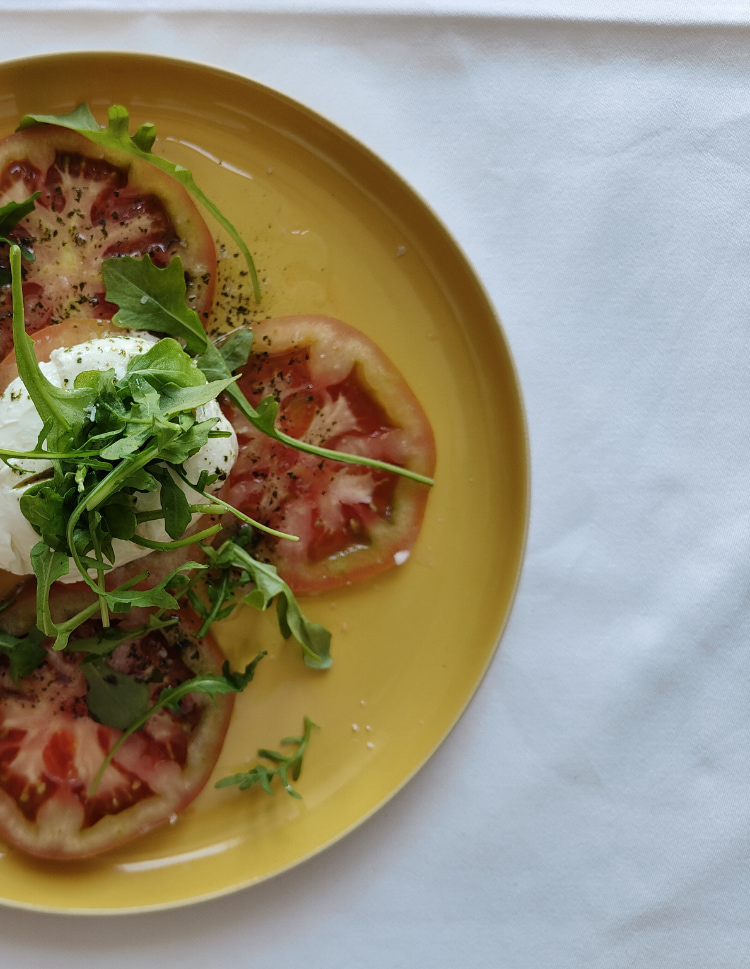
<point>336,389</point>
<point>51,748</point>
<point>96,202</point>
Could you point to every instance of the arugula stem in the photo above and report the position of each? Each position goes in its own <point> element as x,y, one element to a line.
<point>157,513</point>
<point>226,224</point>
<point>46,455</point>
<point>64,630</point>
<point>188,589</point>
<point>179,543</point>
<point>224,588</point>
<point>344,458</point>
<point>235,511</point>
<point>329,454</point>
<point>110,484</point>
<point>260,774</point>
<point>23,344</point>
<point>100,574</point>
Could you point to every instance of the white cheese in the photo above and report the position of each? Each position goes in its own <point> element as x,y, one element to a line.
<point>20,425</point>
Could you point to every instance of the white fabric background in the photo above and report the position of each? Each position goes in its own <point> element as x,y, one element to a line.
<point>592,808</point>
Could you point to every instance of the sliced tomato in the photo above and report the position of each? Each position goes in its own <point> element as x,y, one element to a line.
<point>51,747</point>
<point>96,202</point>
<point>335,389</point>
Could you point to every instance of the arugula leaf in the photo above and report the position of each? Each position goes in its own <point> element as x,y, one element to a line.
<point>235,350</point>
<point>114,699</point>
<point>123,600</point>
<point>177,451</point>
<point>115,135</point>
<point>210,684</point>
<point>163,364</point>
<point>10,215</point>
<point>179,399</point>
<point>120,518</point>
<point>314,639</point>
<point>49,566</point>
<point>43,506</point>
<point>25,652</point>
<point>80,119</point>
<point>151,298</point>
<point>174,504</point>
<point>286,766</point>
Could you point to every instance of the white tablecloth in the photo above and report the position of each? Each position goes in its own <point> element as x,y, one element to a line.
<point>592,808</point>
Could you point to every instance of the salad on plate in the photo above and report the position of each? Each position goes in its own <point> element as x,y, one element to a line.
<point>163,464</point>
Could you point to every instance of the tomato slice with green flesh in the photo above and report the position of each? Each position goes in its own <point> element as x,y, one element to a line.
<point>335,389</point>
<point>51,748</point>
<point>96,202</point>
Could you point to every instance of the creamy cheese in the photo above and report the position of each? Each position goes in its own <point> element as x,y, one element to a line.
<point>20,426</point>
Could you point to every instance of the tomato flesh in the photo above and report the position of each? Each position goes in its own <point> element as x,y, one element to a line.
<point>51,747</point>
<point>335,389</point>
<point>95,203</point>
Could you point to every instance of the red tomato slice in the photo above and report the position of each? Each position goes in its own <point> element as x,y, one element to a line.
<point>51,748</point>
<point>96,203</point>
<point>338,390</point>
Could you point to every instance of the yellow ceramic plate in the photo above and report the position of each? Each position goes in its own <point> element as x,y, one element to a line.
<point>333,230</point>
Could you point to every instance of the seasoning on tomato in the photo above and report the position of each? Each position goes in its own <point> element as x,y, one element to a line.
<point>51,745</point>
<point>96,202</point>
<point>335,389</point>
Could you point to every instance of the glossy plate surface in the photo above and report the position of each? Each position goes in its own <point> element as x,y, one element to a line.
<point>333,230</point>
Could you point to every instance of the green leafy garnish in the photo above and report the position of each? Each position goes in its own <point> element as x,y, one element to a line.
<point>10,215</point>
<point>210,684</point>
<point>114,699</point>
<point>151,298</point>
<point>25,652</point>
<point>116,135</point>
<point>287,766</point>
<point>235,577</point>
